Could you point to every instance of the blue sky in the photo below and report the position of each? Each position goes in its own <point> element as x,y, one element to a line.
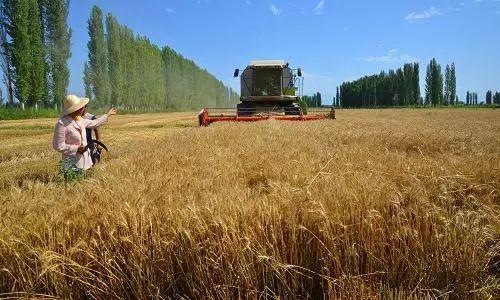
<point>333,41</point>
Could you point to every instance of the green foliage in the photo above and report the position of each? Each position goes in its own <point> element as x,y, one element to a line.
<point>312,101</point>
<point>492,99</point>
<point>415,99</point>
<point>6,54</point>
<point>396,88</point>
<point>58,43</point>
<point>434,84</point>
<point>35,49</point>
<point>471,98</point>
<point>190,87</point>
<point>87,81</point>
<point>98,57</point>
<point>69,171</point>
<point>18,30</point>
<point>24,47</point>
<point>450,89</point>
<point>115,60</point>
<point>453,84</point>
<point>14,113</point>
<point>496,98</point>
<point>143,77</point>
<point>303,105</point>
<point>489,97</point>
<point>38,82</point>
<point>288,91</point>
<point>337,98</point>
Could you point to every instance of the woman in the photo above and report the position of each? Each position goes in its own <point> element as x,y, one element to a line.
<point>70,137</point>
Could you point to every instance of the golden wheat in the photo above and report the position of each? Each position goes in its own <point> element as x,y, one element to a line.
<point>379,204</point>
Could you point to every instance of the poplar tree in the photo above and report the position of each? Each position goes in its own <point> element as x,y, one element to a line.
<point>58,40</point>
<point>408,84</point>
<point>6,57</point>
<point>434,83</point>
<point>98,57</point>
<point>395,88</point>
<point>16,24</point>
<point>416,83</point>
<point>87,81</point>
<point>489,96</point>
<point>447,93</point>
<point>428,83</point>
<point>143,76</point>
<point>453,84</point>
<point>496,98</point>
<point>115,57</point>
<point>37,77</point>
<point>438,82</point>
<point>337,98</point>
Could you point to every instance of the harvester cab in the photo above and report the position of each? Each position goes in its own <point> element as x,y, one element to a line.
<point>270,89</point>
<point>270,86</point>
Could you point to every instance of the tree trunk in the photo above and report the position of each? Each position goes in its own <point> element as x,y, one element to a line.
<point>22,106</point>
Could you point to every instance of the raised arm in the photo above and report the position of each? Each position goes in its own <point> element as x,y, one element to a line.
<point>93,124</point>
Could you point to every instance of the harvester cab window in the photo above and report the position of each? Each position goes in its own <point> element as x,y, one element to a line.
<point>267,82</point>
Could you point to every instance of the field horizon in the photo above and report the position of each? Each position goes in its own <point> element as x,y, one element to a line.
<point>378,204</point>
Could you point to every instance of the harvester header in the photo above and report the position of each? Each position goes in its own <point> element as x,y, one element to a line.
<point>270,89</point>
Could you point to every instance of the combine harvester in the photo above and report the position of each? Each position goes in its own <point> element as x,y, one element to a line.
<point>270,89</point>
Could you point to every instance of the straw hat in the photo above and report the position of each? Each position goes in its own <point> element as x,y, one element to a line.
<point>72,103</point>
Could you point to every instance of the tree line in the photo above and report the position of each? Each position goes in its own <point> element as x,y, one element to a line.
<point>401,87</point>
<point>471,98</point>
<point>312,101</point>
<point>34,50</point>
<point>492,98</point>
<point>122,69</point>
<point>434,83</point>
<point>395,88</point>
<point>130,72</point>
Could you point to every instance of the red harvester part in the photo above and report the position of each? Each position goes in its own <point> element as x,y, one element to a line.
<point>206,118</point>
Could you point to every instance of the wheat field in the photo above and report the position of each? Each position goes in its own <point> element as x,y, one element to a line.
<point>378,204</point>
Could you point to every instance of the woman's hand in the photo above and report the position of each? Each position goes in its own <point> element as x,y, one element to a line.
<point>112,112</point>
<point>82,149</point>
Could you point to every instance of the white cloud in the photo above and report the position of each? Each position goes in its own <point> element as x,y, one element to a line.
<point>170,10</point>
<point>319,9</point>
<point>275,10</point>
<point>394,56</point>
<point>299,8</point>
<point>426,14</point>
<point>482,1</point>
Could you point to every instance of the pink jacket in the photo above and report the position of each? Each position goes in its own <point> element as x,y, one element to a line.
<point>70,134</point>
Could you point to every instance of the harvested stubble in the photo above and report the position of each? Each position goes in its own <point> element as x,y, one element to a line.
<point>392,204</point>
